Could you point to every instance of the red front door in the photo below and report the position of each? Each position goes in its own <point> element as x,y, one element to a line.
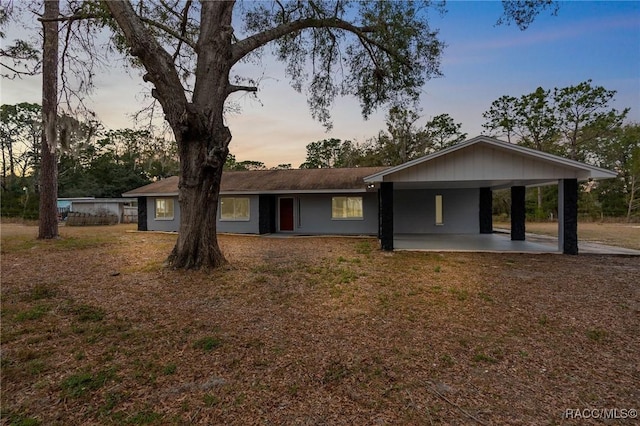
<point>286,214</point>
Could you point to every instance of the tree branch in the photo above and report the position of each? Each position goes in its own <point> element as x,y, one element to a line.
<point>63,66</point>
<point>169,31</point>
<point>17,73</point>
<point>156,60</point>
<point>284,13</point>
<point>315,8</point>
<point>249,44</point>
<point>369,51</point>
<point>235,88</point>
<point>169,8</point>
<point>71,18</point>
<point>183,27</point>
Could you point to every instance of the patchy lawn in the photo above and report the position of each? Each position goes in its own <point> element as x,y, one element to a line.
<point>310,331</point>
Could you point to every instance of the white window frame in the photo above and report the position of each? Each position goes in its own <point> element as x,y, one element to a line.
<point>345,208</point>
<point>236,209</point>
<point>162,212</point>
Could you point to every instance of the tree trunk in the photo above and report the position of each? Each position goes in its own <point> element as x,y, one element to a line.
<point>4,167</point>
<point>199,188</point>
<point>632,194</point>
<point>539,199</point>
<point>203,142</point>
<point>198,126</point>
<point>12,171</point>
<point>48,227</point>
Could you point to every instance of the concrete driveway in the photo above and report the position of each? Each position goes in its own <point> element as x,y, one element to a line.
<point>497,242</point>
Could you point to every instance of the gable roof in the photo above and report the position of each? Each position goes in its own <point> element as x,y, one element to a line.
<point>161,188</point>
<point>297,180</point>
<point>273,182</point>
<point>479,162</point>
<point>485,161</point>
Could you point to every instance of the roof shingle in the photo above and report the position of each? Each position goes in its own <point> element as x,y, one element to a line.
<point>260,181</point>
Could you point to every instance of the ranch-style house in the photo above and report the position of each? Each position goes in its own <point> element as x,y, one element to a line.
<point>448,192</point>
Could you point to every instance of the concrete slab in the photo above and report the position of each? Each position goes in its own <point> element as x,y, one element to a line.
<point>497,242</point>
<point>469,242</point>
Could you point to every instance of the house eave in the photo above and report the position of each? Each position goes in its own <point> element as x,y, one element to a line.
<point>296,192</point>
<point>273,192</point>
<point>150,194</point>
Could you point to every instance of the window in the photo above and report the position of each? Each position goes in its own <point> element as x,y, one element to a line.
<point>346,208</point>
<point>439,210</point>
<point>164,208</point>
<point>232,208</point>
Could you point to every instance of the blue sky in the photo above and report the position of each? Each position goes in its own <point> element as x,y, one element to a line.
<point>586,40</point>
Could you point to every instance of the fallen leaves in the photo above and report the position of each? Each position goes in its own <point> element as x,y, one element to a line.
<point>311,330</point>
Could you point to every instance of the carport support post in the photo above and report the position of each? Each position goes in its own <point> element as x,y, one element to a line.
<point>518,213</point>
<point>385,206</point>
<point>568,216</point>
<point>486,211</point>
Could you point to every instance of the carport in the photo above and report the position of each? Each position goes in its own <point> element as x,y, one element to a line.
<point>448,195</point>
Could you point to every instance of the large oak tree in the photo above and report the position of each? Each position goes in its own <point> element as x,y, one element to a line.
<point>382,52</point>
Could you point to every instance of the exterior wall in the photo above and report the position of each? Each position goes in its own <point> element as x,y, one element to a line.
<point>173,225</point>
<point>312,215</point>
<point>130,214</point>
<point>489,163</point>
<point>251,226</point>
<point>414,211</point>
<point>97,207</point>
<point>170,225</point>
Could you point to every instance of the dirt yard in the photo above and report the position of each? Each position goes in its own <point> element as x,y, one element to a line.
<point>318,331</point>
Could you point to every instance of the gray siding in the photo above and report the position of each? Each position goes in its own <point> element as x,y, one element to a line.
<point>97,208</point>
<point>250,226</point>
<point>488,162</point>
<point>414,211</point>
<point>154,224</point>
<point>237,227</point>
<point>312,215</point>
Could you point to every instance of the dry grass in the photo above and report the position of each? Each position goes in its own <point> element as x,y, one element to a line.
<point>309,331</point>
<point>617,234</point>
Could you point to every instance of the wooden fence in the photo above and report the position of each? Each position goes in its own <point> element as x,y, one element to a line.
<point>88,219</point>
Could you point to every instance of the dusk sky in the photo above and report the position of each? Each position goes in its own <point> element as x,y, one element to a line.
<point>586,40</point>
